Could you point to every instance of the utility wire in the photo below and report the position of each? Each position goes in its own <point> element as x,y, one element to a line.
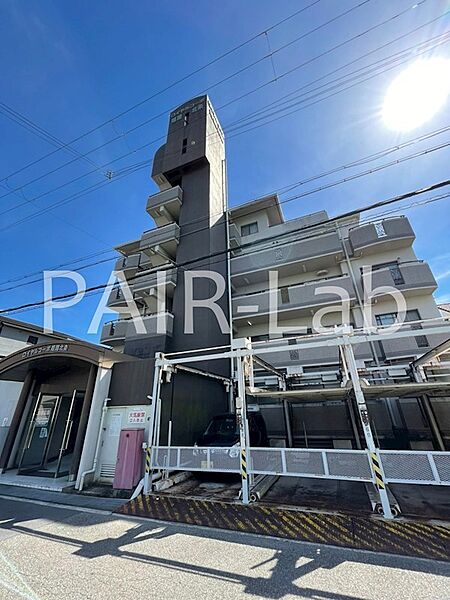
<point>290,187</point>
<point>245,68</point>
<point>40,132</point>
<point>195,261</point>
<point>172,85</point>
<point>132,167</point>
<point>161,138</point>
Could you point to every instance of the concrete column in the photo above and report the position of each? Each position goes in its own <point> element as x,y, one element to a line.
<point>15,421</point>
<point>101,390</point>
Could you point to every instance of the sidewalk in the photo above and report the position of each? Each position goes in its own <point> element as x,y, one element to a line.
<point>75,500</point>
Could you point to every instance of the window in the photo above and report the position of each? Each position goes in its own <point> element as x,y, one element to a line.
<point>411,315</point>
<point>249,229</point>
<point>183,149</point>
<point>386,319</point>
<point>186,119</point>
<point>32,339</point>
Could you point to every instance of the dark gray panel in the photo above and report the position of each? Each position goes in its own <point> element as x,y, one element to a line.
<point>131,382</point>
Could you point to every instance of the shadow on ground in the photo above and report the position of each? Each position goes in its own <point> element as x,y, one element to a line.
<point>289,562</point>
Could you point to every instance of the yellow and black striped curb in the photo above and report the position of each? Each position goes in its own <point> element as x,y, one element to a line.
<point>377,471</point>
<point>416,539</point>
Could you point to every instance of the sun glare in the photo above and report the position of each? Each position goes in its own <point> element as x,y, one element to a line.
<point>417,94</point>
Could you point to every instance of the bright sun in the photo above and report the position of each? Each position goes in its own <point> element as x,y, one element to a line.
<point>417,94</point>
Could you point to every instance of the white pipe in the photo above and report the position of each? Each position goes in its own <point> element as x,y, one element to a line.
<point>97,447</point>
<point>231,406</point>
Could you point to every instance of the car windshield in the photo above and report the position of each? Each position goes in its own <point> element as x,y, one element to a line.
<point>223,426</point>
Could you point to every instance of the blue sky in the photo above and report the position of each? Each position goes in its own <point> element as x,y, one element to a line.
<point>72,66</point>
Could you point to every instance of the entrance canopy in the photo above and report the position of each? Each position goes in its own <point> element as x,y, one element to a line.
<point>55,357</point>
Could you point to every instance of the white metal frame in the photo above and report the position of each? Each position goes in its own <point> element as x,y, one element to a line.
<point>242,352</point>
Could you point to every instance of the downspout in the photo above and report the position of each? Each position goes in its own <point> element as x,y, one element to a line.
<point>358,295</point>
<point>230,304</point>
<point>97,447</point>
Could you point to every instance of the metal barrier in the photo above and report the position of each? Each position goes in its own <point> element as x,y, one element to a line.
<point>352,465</point>
<point>405,466</point>
<point>193,458</point>
<point>399,466</point>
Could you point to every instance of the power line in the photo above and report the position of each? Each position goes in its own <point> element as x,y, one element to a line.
<point>161,138</point>
<point>227,78</point>
<point>289,187</point>
<point>195,261</point>
<point>42,211</point>
<point>40,132</point>
<point>172,85</point>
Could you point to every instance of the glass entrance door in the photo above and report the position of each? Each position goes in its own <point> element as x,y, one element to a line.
<point>37,434</point>
<point>50,435</point>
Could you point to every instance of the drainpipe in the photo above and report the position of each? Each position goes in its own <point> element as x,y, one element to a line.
<point>97,448</point>
<point>230,304</point>
<point>358,295</point>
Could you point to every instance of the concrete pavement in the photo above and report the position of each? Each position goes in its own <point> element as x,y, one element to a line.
<point>49,553</point>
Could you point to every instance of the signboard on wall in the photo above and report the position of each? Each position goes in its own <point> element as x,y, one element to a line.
<point>136,416</point>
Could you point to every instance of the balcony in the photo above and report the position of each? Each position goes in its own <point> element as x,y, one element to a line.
<point>116,298</point>
<point>155,325</point>
<point>410,278</point>
<point>296,300</point>
<point>160,244</point>
<point>235,236</point>
<point>300,255</point>
<point>392,348</point>
<point>295,359</point>
<point>388,234</point>
<point>164,208</point>
<point>130,265</point>
<point>145,287</point>
<point>114,332</point>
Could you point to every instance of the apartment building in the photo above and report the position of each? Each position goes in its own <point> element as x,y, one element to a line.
<point>74,400</point>
<point>304,255</point>
<point>310,253</point>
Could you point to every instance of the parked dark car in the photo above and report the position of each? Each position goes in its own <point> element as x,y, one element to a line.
<point>223,431</point>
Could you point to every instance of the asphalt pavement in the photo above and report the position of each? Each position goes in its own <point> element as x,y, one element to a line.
<point>50,553</point>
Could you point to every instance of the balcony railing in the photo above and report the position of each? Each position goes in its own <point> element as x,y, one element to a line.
<point>294,359</point>
<point>130,265</point>
<point>115,332</point>
<point>393,233</point>
<point>164,208</point>
<point>409,346</point>
<point>144,283</point>
<point>314,253</point>
<point>293,300</point>
<point>160,244</point>
<point>235,236</point>
<point>408,277</point>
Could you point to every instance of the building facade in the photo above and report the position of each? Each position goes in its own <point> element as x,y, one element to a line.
<point>301,256</point>
<point>269,280</point>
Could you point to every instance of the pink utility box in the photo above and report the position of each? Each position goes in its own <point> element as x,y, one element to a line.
<point>129,459</point>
